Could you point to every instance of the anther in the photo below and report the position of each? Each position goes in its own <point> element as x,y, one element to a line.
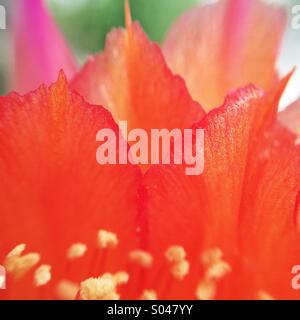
<point>77,250</point>
<point>17,251</point>
<point>67,290</point>
<point>118,278</point>
<point>211,256</point>
<point>175,254</point>
<point>148,295</point>
<point>206,290</point>
<point>180,270</point>
<point>218,270</point>
<point>107,239</point>
<point>142,258</point>
<point>101,288</point>
<point>121,277</point>
<point>42,275</point>
<point>19,265</point>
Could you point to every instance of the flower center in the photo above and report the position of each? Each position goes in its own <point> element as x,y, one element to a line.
<point>108,286</point>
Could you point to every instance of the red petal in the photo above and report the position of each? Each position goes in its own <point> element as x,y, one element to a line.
<point>53,193</point>
<point>131,78</point>
<point>291,117</point>
<point>244,201</point>
<point>221,47</point>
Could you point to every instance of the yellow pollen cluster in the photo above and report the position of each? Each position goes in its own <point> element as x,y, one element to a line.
<point>101,288</point>
<point>107,239</point>
<point>17,251</point>
<point>149,295</point>
<point>77,250</point>
<point>206,290</point>
<point>17,264</point>
<point>209,257</point>
<point>216,269</point>
<point>180,269</point>
<point>42,275</point>
<point>104,287</point>
<point>142,258</point>
<point>176,255</point>
<point>118,278</point>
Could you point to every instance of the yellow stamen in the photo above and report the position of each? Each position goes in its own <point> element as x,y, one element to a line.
<point>211,256</point>
<point>206,290</point>
<point>19,265</point>
<point>142,258</point>
<point>42,275</point>
<point>149,295</point>
<point>218,270</point>
<point>175,254</point>
<point>17,251</point>
<point>107,239</point>
<point>67,290</point>
<point>98,289</point>
<point>180,270</point>
<point>119,278</point>
<point>76,251</point>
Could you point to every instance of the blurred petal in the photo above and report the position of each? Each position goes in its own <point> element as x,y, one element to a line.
<point>53,193</point>
<point>39,49</point>
<point>243,203</point>
<point>290,117</point>
<point>220,47</point>
<point>132,80</point>
<point>269,236</point>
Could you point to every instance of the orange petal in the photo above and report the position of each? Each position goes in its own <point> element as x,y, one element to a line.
<point>243,203</point>
<point>53,193</point>
<point>268,225</point>
<point>132,80</point>
<point>290,117</point>
<point>220,47</point>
